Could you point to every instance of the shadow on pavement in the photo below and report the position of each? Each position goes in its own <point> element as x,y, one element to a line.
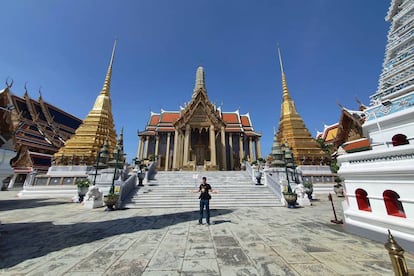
<point>23,241</point>
<point>14,204</point>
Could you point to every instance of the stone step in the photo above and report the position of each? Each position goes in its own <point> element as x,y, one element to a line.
<point>173,190</point>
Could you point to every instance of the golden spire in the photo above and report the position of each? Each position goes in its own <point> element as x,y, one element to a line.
<point>96,128</point>
<point>107,83</point>
<point>285,89</point>
<point>200,80</point>
<point>292,129</point>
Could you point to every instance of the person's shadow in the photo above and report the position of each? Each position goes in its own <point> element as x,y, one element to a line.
<point>23,241</point>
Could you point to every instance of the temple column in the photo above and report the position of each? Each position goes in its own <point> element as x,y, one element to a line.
<point>146,147</point>
<point>175,154</point>
<point>140,148</point>
<point>212,146</point>
<point>180,150</point>
<point>167,154</point>
<point>223,149</point>
<point>251,149</point>
<point>157,141</point>
<point>241,150</point>
<point>231,150</point>
<point>186,144</point>
<point>258,148</point>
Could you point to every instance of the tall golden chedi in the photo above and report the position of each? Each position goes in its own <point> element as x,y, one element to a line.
<point>97,127</point>
<point>306,151</point>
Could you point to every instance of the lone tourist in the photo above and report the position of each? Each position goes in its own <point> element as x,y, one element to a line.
<point>204,199</point>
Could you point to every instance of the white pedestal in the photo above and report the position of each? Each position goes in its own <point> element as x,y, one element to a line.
<point>92,204</point>
<point>304,201</point>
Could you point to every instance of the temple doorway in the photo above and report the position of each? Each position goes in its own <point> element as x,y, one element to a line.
<point>200,146</point>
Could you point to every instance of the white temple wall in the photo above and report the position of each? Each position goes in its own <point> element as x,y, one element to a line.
<point>376,171</point>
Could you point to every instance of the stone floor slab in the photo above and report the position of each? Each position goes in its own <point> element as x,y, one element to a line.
<point>58,238</point>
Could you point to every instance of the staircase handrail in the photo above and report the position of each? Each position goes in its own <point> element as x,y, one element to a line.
<point>273,185</point>
<point>126,188</point>
<point>152,171</point>
<point>250,171</point>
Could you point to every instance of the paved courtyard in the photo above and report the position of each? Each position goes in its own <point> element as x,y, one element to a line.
<point>56,237</point>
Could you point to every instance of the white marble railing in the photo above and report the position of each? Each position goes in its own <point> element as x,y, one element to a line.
<point>273,184</point>
<point>251,171</point>
<point>126,188</point>
<point>152,171</point>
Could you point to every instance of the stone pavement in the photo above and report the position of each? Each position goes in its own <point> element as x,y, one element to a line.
<point>56,237</point>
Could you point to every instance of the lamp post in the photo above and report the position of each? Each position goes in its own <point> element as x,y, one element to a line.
<point>287,158</point>
<point>289,195</point>
<point>103,152</point>
<point>112,190</point>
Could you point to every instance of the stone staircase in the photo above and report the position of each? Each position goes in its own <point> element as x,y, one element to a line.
<point>173,190</point>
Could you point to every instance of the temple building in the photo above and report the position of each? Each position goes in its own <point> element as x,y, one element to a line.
<point>348,129</point>
<point>96,129</point>
<point>378,173</point>
<point>292,129</point>
<point>199,135</point>
<point>34,129</point>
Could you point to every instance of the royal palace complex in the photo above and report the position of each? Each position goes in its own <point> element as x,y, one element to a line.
<point>199,134</point>
<point>34,129</point>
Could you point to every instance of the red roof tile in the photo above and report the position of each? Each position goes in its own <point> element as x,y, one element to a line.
<point>245,121</point>
<point>169,117</point>
<point>231,118</point>
<point>154,120</point>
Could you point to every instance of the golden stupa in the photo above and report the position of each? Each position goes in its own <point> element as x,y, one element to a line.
<point>292,129</point>
<point>97,128</point>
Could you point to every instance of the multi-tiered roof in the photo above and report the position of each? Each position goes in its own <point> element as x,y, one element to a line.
<point>35,129</point>
<point>292,129</point>
<point>97,127</point>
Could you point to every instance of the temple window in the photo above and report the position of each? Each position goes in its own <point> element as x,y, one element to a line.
<point>399,139</point>
<point>393,204</point>
<point>363,200</point>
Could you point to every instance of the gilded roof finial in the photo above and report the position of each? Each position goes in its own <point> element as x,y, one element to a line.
<point>285,89</point>
<point>7,83</point>
<point>107,83</point>
<point>25,89</point>
<point>200,79</point>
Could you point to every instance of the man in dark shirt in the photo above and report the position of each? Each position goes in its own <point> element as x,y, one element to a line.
<point>204,197</point>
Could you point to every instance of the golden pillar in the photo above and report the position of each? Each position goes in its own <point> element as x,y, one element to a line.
<point>186,144</point>
<point>223,149</point>
<point>175,154</point>
<point>167,154</point>
<point>251,157</point>
<point>157,141</point>
<point>212,146</point>
<point>146,147</point>
<point>141,147</point>
<point>180,150</point>
<point>241,153</point>
<point>258,148</point>
<point>231,151</point>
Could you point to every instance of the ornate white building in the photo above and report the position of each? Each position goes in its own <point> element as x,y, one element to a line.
<point>379,182</point>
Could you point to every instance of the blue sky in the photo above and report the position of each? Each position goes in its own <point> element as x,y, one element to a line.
<point>332,52</point>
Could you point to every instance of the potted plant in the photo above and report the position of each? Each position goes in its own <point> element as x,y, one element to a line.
<point>110,200</point>
<point>308,189</point>
<point>83,186</point>
<point>290,197</point>
<point>338,188</point>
